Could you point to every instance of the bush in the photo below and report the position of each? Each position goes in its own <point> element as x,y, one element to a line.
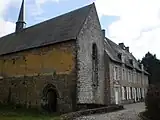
<point>152,101</point>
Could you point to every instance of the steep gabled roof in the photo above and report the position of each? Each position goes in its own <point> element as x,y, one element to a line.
<point>112,49</point>
<point>58,29</point>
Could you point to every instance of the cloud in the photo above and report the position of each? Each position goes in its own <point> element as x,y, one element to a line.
<point>7,27</point>
<point>37,10</point>
<point>138,25</point>
<point>40,2</point>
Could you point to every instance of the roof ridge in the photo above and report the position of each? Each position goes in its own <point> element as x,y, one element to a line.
<point>61,28</point>
<point>71,11</point>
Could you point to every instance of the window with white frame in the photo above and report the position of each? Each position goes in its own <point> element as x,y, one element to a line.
<point>131,76</point>
<point>115,73</point>
<point>138,93</point>
<point>123,74</point>
<point>135,78</point>
<point>140,77</point>
<point>129,91</point>
<point>133,94</point>
<point>118,72</point>
<point>128,76</point>
<point>123,93</point>
<point>143,94</point>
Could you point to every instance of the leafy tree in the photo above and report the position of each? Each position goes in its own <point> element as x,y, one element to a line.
<point>152,65</point>
<point>152,102</point>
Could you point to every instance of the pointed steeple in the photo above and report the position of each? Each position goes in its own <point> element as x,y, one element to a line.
<point>20,23</point>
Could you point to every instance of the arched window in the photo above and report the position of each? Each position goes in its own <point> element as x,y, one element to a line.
<point>94,65</point>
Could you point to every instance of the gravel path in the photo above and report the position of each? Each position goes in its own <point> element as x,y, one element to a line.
<point>130,113</point>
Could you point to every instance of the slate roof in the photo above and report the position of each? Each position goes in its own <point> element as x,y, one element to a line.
<point>58,29</point>
<point>112,49</point>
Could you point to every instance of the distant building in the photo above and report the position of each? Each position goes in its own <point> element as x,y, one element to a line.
<point>66,63</point>
<point>128,81</point>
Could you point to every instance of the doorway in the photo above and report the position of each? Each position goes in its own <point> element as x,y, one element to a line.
<point>52,100</point>
<point>116,97</point>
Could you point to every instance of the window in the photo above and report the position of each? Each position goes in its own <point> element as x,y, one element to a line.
<point>123,93</point>
<point>142,92</point>
<point>128,75</point>
<point>94,65</point>
<point>115,73</point>
<point>123,75</point>
<point>133,93</point>
<point>129,92</point>
<point>131,61</point>
<point>13,61</point>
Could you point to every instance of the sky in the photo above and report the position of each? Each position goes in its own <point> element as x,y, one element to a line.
<point>134,22</point>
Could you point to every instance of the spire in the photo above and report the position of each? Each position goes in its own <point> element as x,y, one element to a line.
<point>20,23</point>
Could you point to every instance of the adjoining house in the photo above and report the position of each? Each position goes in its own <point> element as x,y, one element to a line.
<point>127,78</point>
<point>66,63</point>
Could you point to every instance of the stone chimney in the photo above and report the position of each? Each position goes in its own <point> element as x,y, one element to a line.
<point>122,45</point>
<point>127,49</point>
<point>104,33</point>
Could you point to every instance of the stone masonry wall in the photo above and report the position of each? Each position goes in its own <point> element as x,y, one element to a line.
<point>107,79</point>
<point>26,74</point>
<point>115,83</point>
<point>89,34</point>
<point>125,80</point>
<point>28,91</point>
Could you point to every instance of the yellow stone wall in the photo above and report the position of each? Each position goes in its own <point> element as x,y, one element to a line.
<point>58,57</point>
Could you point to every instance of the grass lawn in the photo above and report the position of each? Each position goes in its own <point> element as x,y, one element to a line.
<point>9,113</point>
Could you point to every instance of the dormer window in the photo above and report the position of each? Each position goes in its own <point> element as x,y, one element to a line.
<point>120,56</point>
<point>131,61</point>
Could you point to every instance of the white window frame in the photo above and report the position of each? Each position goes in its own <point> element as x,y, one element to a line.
<point>129,91</point>
<point>123,93</point>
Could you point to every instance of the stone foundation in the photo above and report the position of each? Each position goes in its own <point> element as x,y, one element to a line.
<point>29,91</point>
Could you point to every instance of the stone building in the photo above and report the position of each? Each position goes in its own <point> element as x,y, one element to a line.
<point>66,63</point>
<point>127,79</point>
<point>57,65</point>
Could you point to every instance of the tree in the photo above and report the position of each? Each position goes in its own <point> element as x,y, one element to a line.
<point>152,65</point>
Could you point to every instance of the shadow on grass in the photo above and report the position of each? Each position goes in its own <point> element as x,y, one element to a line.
<point>9,112</point>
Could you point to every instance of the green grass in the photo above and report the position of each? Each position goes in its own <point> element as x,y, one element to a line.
<point>10,113</point>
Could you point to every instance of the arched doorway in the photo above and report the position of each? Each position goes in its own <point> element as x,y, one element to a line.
<point>50,96</point>
<point>52,100</point>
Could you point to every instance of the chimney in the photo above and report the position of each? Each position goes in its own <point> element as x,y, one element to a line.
<point>20,23</point>
<point>127,48</point>
<point>122,45</point>
<point>103,32</point>
<point>142,67</point>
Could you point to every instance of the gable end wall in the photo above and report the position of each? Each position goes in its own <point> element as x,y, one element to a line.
<point>89,34</point>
